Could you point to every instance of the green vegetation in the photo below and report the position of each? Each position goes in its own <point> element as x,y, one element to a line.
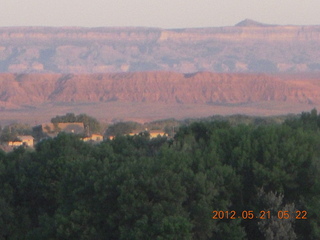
<point>141,188</point>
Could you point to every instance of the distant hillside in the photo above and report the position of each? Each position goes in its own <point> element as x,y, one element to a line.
<point>145,96</point>
<point>247,47</point>
<point>160,87</point>
<point>252,23</point>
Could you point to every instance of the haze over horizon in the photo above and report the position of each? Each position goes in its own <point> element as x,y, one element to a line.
<point>162,14</point>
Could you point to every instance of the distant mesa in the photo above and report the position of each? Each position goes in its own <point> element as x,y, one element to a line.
<point>252,23</point>
<point>109,50</point>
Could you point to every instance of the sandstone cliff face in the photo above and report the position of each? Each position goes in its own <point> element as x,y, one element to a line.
<point>19,90</point>
<point>247,47</point>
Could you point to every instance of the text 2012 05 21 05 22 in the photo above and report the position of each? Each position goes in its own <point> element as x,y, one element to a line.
<point>259,215</point>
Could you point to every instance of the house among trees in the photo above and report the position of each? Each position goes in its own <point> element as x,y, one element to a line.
<point>135,132</point>
<point>93,138</point>
<point>152,133</point>
<point>22,141</point>
<point>26,140</point>
<point>15,143</point>
<point>52,129</point>
<point>156,133</point>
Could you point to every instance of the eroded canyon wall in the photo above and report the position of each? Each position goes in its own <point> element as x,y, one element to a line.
<point>246,47</point>
<point>156,87</point>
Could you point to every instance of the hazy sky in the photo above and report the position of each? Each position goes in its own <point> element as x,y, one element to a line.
<point>157,13</point>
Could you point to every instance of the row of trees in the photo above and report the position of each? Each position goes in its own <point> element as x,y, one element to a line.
<point>170,126</point>
<point>141,188</point>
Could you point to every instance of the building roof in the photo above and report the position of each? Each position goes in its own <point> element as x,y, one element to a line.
<point>74,127</point>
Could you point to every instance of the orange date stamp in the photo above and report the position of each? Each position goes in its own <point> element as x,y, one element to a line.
<point>258,215</point>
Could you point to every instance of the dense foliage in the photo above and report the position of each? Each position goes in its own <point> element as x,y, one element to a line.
<point>121,128</point>
<point>141,188</point>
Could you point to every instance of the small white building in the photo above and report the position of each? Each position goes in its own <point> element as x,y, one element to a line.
<point>16,143</point>
<point>26,140</point>
<point>93,138</point>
